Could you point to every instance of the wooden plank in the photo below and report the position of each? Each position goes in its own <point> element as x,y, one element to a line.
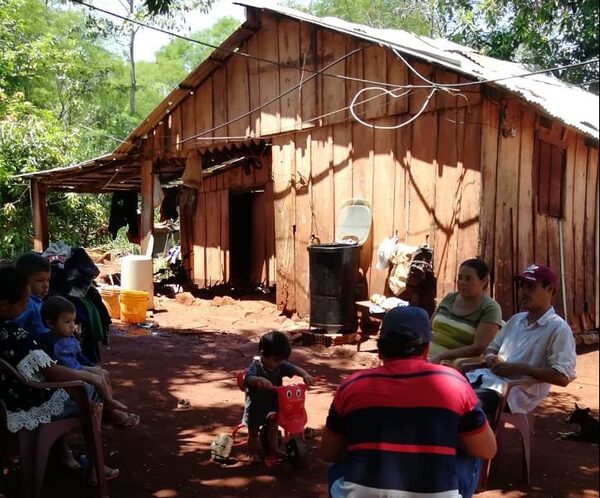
<point>309,97</point>
<point>219,101</point>
<point>555,201</point>
<point>448,189</point>
<point>469,96</point>
<point>469,221</point>
<point>554,260</point>
<point>396,75</point>
<point>526,207</point>
<point>289,53</point>
<point>303,142</point>
<point>422,173</point>
<point>418,96</point>
<point>271,277</point>
<point>543,189</point>
<point>269,75</point>
<point>579,191</point>
<point>188,121</point>
<point>445,99</point>
<point>591,227</point>
<point>253,85</point>
<point>248,178</point>
<point>322,193</point>
<point>236,177</point>
<point>331,47</point>
<point>506,210</point>
<point>374,61</point>
<point>224,232</point>
<point>204,113</point>
<point>384,170</point>
<point>362,183</point>
<point>214,270</point>
<point>238,97</point>
<point>342,165</point>
<point>283,150</point>
<point>175,130</point>
<point>258,240</point>
<point>569,261</point>
<point>39,215</point>
<point>263,174</point>
<point>200,241</point>
<point>147,192</point>
<point>354,69</point>
<point>489,166</point>
<point>403,159</point>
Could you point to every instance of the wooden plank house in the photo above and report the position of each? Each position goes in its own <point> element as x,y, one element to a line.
<point>507,170</point>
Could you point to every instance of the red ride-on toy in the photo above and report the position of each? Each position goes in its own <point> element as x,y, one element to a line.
<point>291,417</point>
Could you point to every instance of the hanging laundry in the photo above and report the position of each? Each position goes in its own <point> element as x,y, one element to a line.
<point>385,251</point>
<point>123,211</point>
<point>168,207</point>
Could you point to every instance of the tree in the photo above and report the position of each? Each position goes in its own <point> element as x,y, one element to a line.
<point>56,83</point>
<point>419,17</point>
<point>148,11</point>
<point>175,61</point>
<point>547,33</point>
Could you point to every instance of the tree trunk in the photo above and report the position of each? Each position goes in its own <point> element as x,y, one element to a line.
<point>133,82</point>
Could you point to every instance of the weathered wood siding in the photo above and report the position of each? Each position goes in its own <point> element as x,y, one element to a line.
<point>453,177</point>
<point>211,239</point>
<point>513,234</point>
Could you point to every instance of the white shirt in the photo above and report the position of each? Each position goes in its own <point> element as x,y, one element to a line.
<point>546,343</point>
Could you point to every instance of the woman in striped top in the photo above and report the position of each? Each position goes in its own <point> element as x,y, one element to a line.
<point>465,322</point>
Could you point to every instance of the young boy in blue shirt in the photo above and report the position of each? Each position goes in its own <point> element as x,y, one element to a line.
<point>58,314</point>
<point>36,269</point>
<point>264,372</point>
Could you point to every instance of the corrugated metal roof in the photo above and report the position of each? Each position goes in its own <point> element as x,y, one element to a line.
<point>570,104</point>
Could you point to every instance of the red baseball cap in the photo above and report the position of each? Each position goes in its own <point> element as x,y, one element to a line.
<point>538,274</point>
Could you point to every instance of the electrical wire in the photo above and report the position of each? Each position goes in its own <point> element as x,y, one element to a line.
<point>339,76</point>
<point>274,99</point>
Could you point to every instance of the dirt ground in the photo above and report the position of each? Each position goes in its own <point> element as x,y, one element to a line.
<point>193,353</point>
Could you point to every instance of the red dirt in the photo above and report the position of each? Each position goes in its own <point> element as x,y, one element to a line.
<point>194,353</point>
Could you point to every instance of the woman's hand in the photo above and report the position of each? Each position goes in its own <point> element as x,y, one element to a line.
<point>309,380</point>
<point>437,359</point>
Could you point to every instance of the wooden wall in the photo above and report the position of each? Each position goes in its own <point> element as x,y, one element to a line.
<point>210,253</point>
<point>421,181</point>
<point>513,233</point>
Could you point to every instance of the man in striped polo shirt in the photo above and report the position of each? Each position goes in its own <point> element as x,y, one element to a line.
<point>393,431</point>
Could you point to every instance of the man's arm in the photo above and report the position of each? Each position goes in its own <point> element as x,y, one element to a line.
<point>333,446</point>
<point>481,444</point>
<point>547,374</point>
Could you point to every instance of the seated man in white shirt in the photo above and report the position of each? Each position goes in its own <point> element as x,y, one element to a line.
<point>536,343</point>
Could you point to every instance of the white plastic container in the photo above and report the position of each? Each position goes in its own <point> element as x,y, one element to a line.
<point>136,274</point>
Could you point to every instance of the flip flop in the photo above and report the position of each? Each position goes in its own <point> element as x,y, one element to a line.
<point>184,404</point>
<point>132,421</point>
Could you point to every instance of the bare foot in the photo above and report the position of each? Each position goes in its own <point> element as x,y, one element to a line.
<point>112,403</point>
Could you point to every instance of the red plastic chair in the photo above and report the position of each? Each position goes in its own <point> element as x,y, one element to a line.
<point>35,445</point>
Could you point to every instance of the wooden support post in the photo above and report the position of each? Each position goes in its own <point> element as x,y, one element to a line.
<point>147,205</point>
<point>39,215</point>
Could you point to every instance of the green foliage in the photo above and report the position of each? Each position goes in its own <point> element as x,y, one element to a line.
<point>174,62</point>
<point>419,17</point>
<point>546,33</point>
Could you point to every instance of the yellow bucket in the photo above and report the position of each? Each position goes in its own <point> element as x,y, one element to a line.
<point>133,305</point>
<point>110,298</point>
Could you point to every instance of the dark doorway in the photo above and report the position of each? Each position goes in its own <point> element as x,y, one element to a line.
<point>240,234</point>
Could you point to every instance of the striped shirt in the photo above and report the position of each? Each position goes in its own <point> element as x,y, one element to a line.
<point>402,423</point>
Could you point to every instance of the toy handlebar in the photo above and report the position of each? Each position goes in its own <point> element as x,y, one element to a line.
<point>260,385</point>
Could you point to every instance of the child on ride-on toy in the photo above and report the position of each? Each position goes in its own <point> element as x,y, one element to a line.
<point>264,372</point>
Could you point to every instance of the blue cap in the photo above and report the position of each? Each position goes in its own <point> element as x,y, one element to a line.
<point>406,325</point>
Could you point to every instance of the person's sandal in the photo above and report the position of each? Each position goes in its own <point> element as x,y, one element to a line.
<point>132,421</point>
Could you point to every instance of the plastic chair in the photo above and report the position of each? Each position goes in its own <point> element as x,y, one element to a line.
<point>35,445</point>
<point>523,422</point>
